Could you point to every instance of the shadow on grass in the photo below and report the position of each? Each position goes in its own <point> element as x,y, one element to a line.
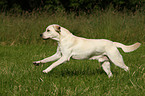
<point>68,72</point>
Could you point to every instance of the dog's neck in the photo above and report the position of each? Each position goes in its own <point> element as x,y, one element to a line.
<point>64,33</point>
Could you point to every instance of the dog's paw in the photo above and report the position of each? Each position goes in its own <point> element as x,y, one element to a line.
<point>126,69</point>
<point>46,70</point>
<point>36,63</point>
<point>110,75</point>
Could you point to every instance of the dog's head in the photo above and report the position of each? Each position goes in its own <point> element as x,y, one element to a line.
<point>52,31</point>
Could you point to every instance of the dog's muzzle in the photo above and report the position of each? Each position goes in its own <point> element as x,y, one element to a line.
<point>41,35</point>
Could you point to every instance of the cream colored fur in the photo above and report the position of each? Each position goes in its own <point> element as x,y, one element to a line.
<point>70,46</point>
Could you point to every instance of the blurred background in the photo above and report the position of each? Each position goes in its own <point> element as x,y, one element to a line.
<point>21,21</point>
<point>70,5</point>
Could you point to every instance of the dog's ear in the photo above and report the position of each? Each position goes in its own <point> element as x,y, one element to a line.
<point>57,28</point>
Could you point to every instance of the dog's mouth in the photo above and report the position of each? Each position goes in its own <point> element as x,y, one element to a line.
<point>45,38</point>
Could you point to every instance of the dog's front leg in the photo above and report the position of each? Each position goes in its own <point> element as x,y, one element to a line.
<point>54,57</point>
<point>60,61</point>
<point>48,59</point>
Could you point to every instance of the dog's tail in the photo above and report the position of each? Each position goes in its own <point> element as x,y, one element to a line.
<point>129,48</point>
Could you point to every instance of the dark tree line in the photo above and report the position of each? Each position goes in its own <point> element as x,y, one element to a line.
<point>70,5</point>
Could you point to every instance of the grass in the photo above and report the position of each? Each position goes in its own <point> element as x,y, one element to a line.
<point>117,26</point>
<point>77,77</point>
<point>20,45</point>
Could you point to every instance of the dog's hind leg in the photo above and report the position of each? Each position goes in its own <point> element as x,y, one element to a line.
<point>115,56</point>
<point>106,68</point>
<point>105,65</point>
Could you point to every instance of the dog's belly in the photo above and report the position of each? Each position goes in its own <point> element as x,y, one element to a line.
<point>85,55</point>
<point>79,57</point>
<point>86,52</point>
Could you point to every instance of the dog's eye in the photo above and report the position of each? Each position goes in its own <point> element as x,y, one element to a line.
<point>48,30</point>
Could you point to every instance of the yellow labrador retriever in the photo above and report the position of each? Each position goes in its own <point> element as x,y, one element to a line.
<point>82,48</point>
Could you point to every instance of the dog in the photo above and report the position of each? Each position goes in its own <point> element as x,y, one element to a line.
<point>71,46</point>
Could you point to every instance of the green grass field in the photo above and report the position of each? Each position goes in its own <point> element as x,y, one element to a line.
<point>20,45</point>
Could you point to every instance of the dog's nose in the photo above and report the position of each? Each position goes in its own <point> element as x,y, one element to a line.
<point>41,35</point>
